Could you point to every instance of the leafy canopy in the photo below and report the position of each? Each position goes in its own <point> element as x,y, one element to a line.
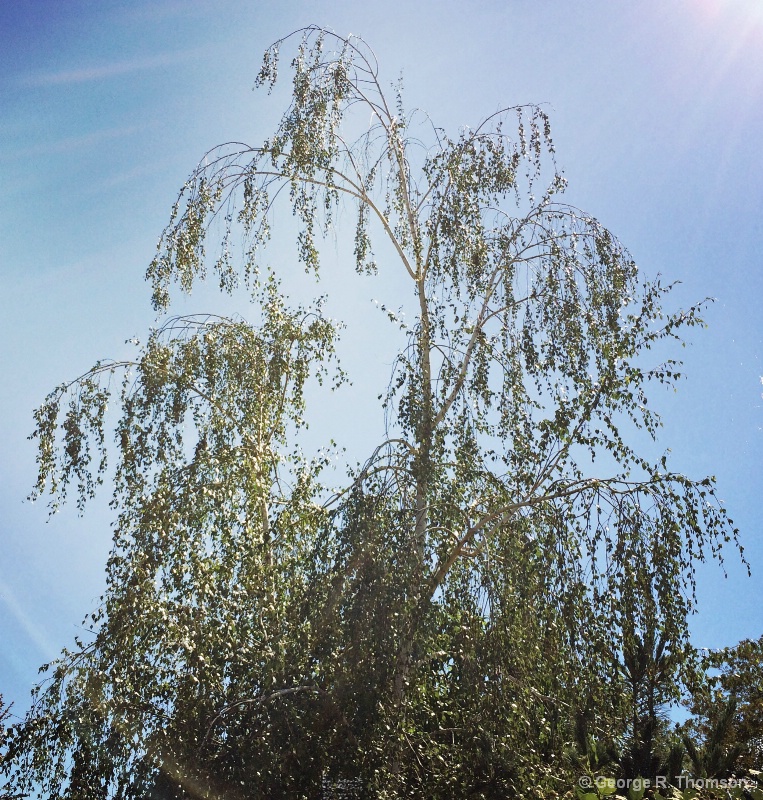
<point>433,626</point>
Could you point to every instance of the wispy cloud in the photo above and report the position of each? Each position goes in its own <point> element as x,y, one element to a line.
<point>161,11</point>
<point>35,633</point>
<point>70,143</point>
<point>139,172</point>
<point>113,69</point>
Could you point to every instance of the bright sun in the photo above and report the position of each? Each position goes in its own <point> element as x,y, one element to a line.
<point>745,12</point>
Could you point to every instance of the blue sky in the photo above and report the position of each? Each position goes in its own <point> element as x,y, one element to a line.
<point>657,110</point>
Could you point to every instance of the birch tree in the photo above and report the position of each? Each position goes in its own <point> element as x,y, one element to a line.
<point>431,627</point>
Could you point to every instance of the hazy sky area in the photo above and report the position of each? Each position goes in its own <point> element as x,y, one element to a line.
<point>105,107</point>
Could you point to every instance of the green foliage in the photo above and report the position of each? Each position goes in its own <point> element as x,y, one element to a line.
<point>726,700</point>
<point>5,713</point>
<point>716,758</point>
<point>502,563</point>
<point>727,703</point>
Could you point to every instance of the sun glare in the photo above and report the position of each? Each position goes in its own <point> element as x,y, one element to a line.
<point>733,29</point>
<point>748,14</point>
